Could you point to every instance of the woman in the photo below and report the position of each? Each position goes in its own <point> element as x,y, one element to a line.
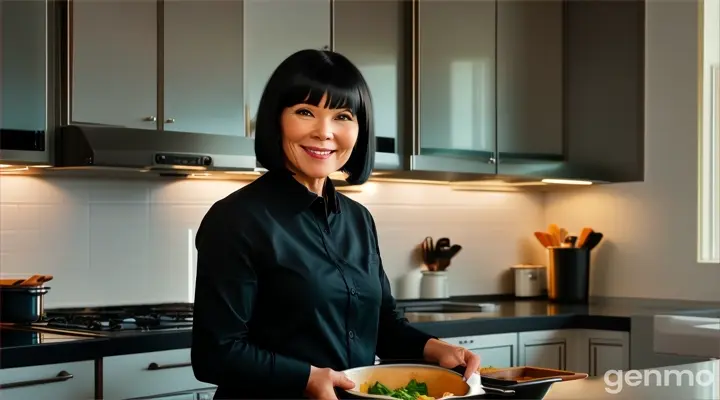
<point>290,287</point>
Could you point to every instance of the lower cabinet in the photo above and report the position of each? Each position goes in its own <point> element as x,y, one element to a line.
<point>66,381</point>
<point>150,374</point>
<point>499,351</point>
<point>580,350</point>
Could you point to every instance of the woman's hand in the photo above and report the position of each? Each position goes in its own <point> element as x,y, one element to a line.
<point>449,356</point>
<point>322,382</point>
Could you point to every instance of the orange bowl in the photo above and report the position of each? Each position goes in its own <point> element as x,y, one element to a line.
<point>439,380</point>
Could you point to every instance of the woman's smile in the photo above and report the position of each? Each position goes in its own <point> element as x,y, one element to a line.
<point>318,153</point>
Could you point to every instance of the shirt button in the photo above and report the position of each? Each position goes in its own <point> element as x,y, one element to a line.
<point>352,291</point>
<point>351,334</point>
<point>326,230</point>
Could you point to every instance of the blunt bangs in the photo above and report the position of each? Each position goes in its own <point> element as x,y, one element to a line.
<point>304,78</point>
<point>306,89</point>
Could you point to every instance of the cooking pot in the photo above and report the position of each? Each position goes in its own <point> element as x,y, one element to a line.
<point>22,304</point>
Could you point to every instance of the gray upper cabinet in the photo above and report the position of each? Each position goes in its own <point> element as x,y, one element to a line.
<point>530,82</point>
<point>114,63</point>
<point>25,90</point>
<point>273,31</point>
<point>379,54</point>
<point>605,90</point>
<point>203,67</point>
<point>23,45</point>
<point>456,86</point>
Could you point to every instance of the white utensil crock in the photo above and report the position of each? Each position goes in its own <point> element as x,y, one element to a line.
<point>434,285</point>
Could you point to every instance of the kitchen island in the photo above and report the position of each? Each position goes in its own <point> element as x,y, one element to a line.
<point>688,381</point>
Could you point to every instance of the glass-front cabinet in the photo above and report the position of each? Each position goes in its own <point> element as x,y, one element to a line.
<point>529,86</point>
<point>379,54</point>
<point>114,53</point>
<point>23,82</point>
<point>456,86</point>
<point>273,31</point>
<point>203,67</point>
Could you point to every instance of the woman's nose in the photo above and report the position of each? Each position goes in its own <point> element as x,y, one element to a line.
<point>324,129</point>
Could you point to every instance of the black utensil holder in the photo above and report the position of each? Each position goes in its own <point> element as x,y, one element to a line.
<point>568,275</point>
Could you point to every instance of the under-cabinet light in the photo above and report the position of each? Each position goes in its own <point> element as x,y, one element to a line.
<point>566,182</point>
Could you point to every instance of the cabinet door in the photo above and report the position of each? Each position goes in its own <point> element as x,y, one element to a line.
<point>66,381</point>
<point>456,72</point>
<point>114,63</point>
<point>530,85</point>
<point>497,351</point>
<point>23,48</point>
<point>203,67</point>
<point>544,349</point>
<point>605,96</point>
<point>602,351</point>
<point>149,374</point>
<point>378,53</point>
<point>273,31</point>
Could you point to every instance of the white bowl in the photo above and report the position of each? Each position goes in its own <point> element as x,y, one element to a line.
<point>439,380</point>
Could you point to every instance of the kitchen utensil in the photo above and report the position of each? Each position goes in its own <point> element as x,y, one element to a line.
<point>544,239</point>
<point>554,231</point>
<point>442,244</point>
<point>592,240</point>
<point>35,280</point>
<point>563,235</point>
<point>438,379</point>
<point>445,255</point>
<point>571,240</point>
<point>21,304</point>
<point>583,236</point>
<point>428,250</point>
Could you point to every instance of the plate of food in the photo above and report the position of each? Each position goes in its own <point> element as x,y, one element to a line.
<point>411,382</point>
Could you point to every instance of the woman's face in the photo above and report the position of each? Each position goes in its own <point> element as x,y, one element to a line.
<point>318,141</point>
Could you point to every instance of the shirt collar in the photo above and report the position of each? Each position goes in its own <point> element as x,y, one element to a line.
<point>290,194</point>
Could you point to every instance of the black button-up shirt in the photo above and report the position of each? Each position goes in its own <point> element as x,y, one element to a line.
<point>285,280</point>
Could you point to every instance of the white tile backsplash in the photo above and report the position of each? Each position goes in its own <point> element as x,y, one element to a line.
<point>131,241</point>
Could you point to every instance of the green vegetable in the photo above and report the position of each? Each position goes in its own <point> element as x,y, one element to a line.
<point>409,392</point>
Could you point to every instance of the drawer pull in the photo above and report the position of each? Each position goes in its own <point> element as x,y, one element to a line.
<point>62,376</point>
<point>156,367</point>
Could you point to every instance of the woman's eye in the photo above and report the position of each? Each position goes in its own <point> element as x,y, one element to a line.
<point>304,112</point>
<point>345,117</point>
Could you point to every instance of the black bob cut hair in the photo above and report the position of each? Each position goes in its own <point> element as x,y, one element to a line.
<point>303,78</point>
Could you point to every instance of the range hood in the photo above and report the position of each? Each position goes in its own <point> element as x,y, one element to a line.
<point>102,146</point>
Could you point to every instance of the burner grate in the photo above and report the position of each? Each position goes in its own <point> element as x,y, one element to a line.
<point>140,317</point>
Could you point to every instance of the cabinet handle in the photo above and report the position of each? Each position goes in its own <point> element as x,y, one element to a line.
<point>151,118</point>
<point>170,120</point>
<point>62,376</point>
<point>248,122</point>
<point>156,367</point>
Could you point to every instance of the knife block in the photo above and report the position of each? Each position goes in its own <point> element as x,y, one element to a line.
<point>434,285</point>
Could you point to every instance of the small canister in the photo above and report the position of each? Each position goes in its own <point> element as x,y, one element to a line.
<point>529,280</point>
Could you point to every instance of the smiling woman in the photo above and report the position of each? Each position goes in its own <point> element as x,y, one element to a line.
<point>290,287</point>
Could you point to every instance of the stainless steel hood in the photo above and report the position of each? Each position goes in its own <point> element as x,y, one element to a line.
<point>99,146</point>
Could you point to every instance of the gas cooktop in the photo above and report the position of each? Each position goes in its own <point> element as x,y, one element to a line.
<point>146,317</point>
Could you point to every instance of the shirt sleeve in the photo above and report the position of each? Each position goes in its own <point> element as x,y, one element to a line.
<point>225,291</point>
<point>397,339</point>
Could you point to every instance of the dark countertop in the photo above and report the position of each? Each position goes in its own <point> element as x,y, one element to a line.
<point>659,383</point>
<point>511,316</point>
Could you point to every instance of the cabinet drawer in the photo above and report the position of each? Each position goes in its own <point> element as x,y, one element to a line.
<point>66,381</point>
<point>146,374</point>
